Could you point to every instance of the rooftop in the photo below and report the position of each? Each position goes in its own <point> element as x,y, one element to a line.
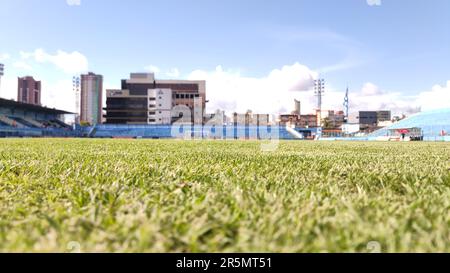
<point>32,107</point>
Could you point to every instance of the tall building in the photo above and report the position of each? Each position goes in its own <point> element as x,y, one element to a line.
<point>297,107</point>
<point>91,98</point>
<point>384,115</point>
<point>334,119</point>
<point>29,90</point>
<point>370,120</point>
<point>145,100</point>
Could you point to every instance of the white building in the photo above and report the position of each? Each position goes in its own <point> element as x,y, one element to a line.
<point>143,99</point>
<point>160,106</point>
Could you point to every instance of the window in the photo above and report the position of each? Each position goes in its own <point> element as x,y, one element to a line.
<point>191,96</point>
<point>151,113</point>
<point>177,96</point>
<point>152,99</point>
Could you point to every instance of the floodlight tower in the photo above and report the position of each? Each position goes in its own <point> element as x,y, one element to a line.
<point>76,90</point>
<point>2,72</point>
<point>319,90</point>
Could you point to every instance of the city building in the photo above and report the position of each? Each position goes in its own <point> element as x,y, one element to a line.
<point>91,98</point>
<point>250,119</point>
<point>217,118</point>
<point>243,119</point>
<point>262,119</point>
<point>308,121</point>
<point>370,121</point>
<point>297,119</point>
<point>384,115</point>
<point>333,119</point>
<point>145,100</point>
<point>160,100</point>
<point>292,119</point>
<point>29,90</point>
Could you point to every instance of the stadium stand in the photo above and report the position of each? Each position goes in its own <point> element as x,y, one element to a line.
<point>435,125</point>
<point>167,131</point>
<point>27,120</point>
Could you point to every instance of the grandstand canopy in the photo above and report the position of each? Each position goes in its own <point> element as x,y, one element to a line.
<point>432,123</point>
<point>32,107</point>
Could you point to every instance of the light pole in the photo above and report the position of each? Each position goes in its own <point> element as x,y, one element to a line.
<point>2,72</point>
<point>76,90</point>
<point>319,90</point>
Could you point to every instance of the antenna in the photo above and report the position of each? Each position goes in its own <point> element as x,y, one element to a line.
<point>346,105</point>
<point>76,90</point>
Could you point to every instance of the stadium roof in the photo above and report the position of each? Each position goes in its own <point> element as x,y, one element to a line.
<point>31,107</point>
<point>431,122</point>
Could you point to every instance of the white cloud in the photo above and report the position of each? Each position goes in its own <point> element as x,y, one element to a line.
<point>22,65</point>
<point>230,91</point>
<point>438,97</point>
<point>370,89</point>
<point>372,97</point>
<point>73,2</point>
<point>59,95</point>
<point>173,73</point>
<point>8,88</point>
<point>152,69</point>
<point>4,57</point>
<point>70,63</point>
<point>374,2</point>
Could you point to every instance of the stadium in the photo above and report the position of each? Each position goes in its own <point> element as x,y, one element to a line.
<point>28,120</point>
<point>236,128</point>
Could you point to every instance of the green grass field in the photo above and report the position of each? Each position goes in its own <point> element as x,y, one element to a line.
<point>223,196</point>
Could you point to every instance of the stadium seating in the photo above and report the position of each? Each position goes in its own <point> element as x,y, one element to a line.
<point>167,131</point>
<point>433,125</point>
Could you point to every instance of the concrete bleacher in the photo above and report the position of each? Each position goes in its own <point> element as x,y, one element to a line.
<point>24,123</point>
<point>34,122</point>
<point>11,122</point>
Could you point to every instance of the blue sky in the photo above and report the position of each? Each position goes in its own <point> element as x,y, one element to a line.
<point>401,47</point>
